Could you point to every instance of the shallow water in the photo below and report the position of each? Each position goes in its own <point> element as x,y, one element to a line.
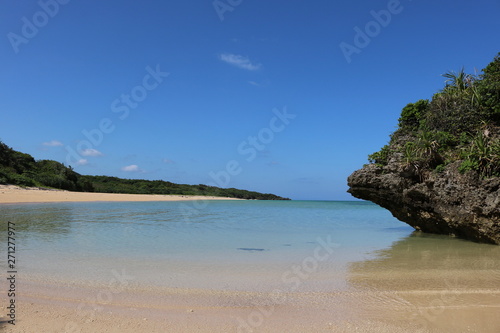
<point>180,244</point>
<point>354,250</point>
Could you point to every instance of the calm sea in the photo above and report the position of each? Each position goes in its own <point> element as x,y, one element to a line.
<point>233,245</point>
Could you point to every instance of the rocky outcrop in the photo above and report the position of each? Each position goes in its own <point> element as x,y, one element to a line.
<point>448,202</point>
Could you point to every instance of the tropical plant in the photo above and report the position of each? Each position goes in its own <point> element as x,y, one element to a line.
<point>460,123</point>
<point>462,84</point>
<point>458,82</point>
<point>483,155</point>
<point>380,157</point>
<point>411,155</point>
<point>413,114</point>
<point>489,89</point>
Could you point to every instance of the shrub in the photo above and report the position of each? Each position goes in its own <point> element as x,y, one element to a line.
<point>460,123</point>
<point>440,168</point>
<point>380,157</point>
<point>464,138</point>
<point>22,180</point>
<point>468,165</point>
<point>412,115</point>
<point>454,114</point>
<point>489,89</point>
<point>445,139</point>
<point>482,155</point>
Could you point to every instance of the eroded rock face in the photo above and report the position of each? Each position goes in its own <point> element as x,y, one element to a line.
<point>449,202</point>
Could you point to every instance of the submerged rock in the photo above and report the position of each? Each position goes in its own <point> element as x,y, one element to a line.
<point>449,202</point>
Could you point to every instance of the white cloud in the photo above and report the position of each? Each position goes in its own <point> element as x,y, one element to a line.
<point>82,162</point>
<point>53,143</point>
<point>264,83</point>
<point>167,161</point>
<point>239,61</point>
<point>91,152</point>
<point>131,168</point>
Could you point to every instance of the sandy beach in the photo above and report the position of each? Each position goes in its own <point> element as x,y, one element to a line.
<point>50,307</point>
<point>15,194</point>
<point>69,308</point>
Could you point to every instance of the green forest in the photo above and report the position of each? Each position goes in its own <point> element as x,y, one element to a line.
<point>22,169</point>
<point>459,125</point>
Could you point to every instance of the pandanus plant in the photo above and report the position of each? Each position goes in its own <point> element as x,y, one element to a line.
<point>485,153</point>
<point>461,84</point>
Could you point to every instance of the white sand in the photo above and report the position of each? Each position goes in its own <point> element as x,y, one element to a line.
<point>16,194</point>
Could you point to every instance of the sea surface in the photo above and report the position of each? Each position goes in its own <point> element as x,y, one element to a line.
<point>229,245</point>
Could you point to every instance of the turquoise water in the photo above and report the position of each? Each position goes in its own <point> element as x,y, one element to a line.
<point>242,245</point>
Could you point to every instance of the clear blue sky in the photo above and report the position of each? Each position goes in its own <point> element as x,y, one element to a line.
<point>80,66</point>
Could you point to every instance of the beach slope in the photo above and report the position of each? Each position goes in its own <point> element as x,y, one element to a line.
<point>11,194</point>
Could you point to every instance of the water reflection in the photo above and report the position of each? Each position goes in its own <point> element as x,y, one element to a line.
<point>39,220</point>
<point>438,283</point>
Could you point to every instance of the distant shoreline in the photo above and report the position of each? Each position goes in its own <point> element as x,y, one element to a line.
<point>11,194</point>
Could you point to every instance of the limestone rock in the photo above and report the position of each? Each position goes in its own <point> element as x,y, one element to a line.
<point>463,205</point>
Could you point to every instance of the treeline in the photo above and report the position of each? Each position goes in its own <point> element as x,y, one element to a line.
<point>18,168</point>
<point>107,184</point>
<point>22,169</point>
<point>459,125</point>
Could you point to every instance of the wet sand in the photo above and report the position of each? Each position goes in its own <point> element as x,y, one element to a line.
<point>440,284</point>
<point>395,292</point>
<point>56,308</point>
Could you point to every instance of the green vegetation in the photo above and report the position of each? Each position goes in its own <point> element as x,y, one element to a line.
<point>412,115</point>
<point>17,168</point>
<point>460,123</point>
<point>380,157</point>
<point>21,169</point>
<point>482,154</point>
<point>106,184</point>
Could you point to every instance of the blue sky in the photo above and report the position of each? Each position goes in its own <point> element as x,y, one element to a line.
<point>256,95</point>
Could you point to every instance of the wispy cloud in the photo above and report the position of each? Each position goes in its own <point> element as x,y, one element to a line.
<point>259,84</point>
<point>91,152</point>
<point>131,168</point>
<point>266,153</point>
<point>82,162</point>
<point>53,143</point>
<point>168,161</point>
<point>239,61</point>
